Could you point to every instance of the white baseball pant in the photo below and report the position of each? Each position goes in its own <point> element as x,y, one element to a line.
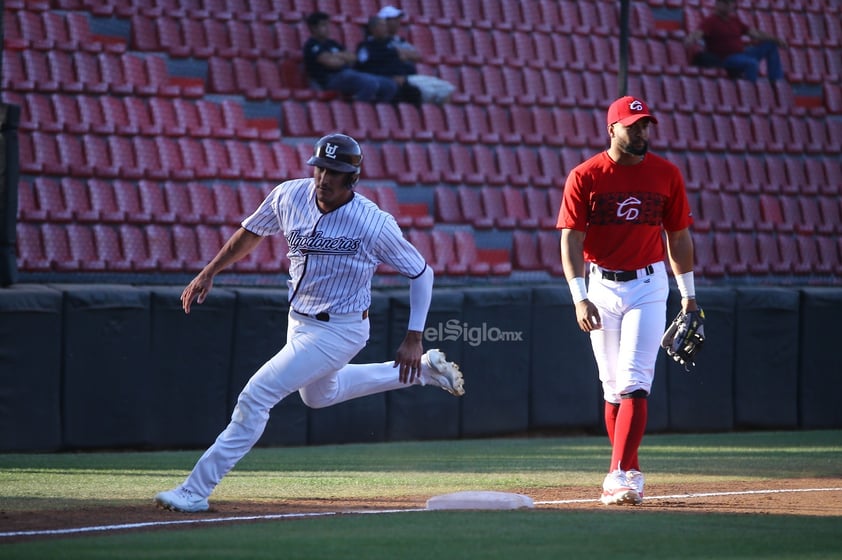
<point>633,317</point>
<point>314,362</point>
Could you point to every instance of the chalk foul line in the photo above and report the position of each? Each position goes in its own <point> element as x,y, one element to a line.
<point>702,495</point>
<point>278,516</point>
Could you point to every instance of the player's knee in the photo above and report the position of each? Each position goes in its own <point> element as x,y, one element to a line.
<point>313,398</point>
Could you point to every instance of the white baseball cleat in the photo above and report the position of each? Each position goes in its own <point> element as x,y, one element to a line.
<point>442,373</point>
<point>616,490</point>
<point>634,478</point>
<point>181,499</point>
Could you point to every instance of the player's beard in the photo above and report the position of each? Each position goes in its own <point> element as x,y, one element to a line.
<point>628,148</point>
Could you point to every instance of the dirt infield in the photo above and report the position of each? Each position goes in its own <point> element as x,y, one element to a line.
<point>815,497</point>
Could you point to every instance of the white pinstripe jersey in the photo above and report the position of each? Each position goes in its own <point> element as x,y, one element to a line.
<point>333,256</point>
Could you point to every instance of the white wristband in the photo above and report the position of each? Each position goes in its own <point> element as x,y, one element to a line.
<point>686,285</point>
<point>578,289</point>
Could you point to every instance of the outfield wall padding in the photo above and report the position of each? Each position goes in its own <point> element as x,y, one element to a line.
<point>564,389</point>
<point>260,331</point>
<point>766,358</point>
<point>703,398</point>
<point>418,413</point>
<point>191,361</point>
<point>496,355</point>
<point>30,368</point>
<point>107,367</point>
<point>820,372</point>
<point>363,419</point>
<point>9,176</point>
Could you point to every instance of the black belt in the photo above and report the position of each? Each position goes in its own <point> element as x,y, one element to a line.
<point>623,275</point>
<point>325,316</point>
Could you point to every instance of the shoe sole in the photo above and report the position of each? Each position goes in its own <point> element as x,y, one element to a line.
<point>621,497</point>
<point>448,374</point>
<point>165,505</point>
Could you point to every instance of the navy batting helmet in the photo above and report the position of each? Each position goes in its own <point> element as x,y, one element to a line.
<point>338,152</point>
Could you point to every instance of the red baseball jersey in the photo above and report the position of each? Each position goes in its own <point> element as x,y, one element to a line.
<point>624,209</point>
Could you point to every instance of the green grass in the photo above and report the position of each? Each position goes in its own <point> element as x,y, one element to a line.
<point>422,469</point>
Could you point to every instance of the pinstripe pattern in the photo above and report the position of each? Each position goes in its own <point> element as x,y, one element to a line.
<point>333,256</point>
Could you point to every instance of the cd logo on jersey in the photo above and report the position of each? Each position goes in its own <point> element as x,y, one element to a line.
<point>629,209</point>
<point>317,243</point>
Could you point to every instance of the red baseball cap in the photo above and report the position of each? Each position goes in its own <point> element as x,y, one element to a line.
<point>628,110</point>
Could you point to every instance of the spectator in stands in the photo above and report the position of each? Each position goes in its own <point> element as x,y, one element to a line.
<point>723,33</point>
<point>376,55</point>
<point>331,67</point>
<point>433,89</point>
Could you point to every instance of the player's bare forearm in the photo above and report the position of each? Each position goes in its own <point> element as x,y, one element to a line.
<point>573,261</point>
<point>408,357</point>
<point>573,253</point>
<point>240,244</point>
<point>680,253</point>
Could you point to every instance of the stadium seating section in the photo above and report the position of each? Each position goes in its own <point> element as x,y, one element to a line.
<point>150,129</point>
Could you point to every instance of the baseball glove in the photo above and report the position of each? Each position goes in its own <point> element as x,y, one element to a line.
<point>685,337</point>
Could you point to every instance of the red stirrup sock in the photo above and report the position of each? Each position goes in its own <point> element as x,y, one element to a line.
<point>628,433</point>
<point>611,411</point>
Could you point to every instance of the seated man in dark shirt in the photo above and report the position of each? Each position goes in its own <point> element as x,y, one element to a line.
<point>330,66</point>
<point>377,55</point>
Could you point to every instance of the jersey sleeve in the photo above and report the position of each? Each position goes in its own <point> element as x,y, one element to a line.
<point>265,220</point>
<point>393,249</point>
<point>573,213</point>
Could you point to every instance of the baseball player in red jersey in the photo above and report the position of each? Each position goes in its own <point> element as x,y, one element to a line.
<point>615,210</point>
<point>337,238</point>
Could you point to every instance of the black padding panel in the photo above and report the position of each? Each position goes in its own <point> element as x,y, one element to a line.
<point>30,368</point>
<point>426,412</point>
<point>495,355</point>
<point>564,390</point>
<point>820,370</point>
<point>108,398</point>
<point>363,419</point>
<point>9,175</point>
<point>260,331</point>
<point>703,399</point>
<point>191,360</point>
<point>766,358</point>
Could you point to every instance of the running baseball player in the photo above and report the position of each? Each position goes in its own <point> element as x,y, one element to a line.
<point>336,238</point>
<point>615,209</point>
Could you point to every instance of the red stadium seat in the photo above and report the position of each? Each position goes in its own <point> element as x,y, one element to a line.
<point>153,202</point>
<point>77,200</point>
<point>494,207</point>
<point>57,247</point>
<point>135,248</point>
<point>50,199</point>
<point>525,251</point>
<point>747,248</point>
<point>162,249</point>
<point>549,251</point>
<point>728,254</point>
<point>771,251</point>
<point>31,256</point>
<point>109,248</point>
<point>705,257</point>
<point>470,202</point>
<point>447,206</point>
<point>478,261</point>
<point>516,207</point>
